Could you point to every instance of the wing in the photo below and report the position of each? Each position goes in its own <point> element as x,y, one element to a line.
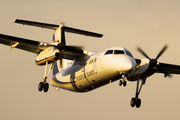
<point>144,70</point>
<point>168,68</point>
<point>163,67</point>
<point>70,52</point>
<point>23,44</point>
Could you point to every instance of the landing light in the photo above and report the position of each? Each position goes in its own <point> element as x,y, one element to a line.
<point>45,44</point>
<point>57,88</point>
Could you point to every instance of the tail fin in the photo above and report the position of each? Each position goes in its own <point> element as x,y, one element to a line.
<point>58,37</point>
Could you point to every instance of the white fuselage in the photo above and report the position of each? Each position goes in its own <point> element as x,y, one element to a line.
<point>93,70</point>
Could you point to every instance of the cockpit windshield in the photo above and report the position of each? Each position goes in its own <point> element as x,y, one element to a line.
<point>119,52</point>
<point>116,52</point>
<point>128,53</point>
<point>109,52</point>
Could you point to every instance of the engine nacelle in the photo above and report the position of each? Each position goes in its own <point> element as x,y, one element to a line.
<point>49,54</point>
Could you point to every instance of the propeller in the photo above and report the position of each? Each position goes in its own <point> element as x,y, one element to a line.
<point>61,46</point>
<point>154,62</point>
<point>75,49</point>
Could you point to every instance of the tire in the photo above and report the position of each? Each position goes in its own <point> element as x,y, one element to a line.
<point>46,87</point>
<point>124,83</point>
<point>120,83</point>
<point>40,86</point>
<point>138,103</point>
<point>133,102</point>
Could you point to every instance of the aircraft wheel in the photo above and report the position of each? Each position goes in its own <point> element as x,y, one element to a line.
<point>120,82</point>
<point>138,103</point>
<point>40,86</point>
<point>133,102</point>
<point>46,87</point>
<point>124,83</point>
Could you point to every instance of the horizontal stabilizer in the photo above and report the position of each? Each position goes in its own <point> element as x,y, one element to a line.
<point>37,24</point>
<point>82,32</point>
<point>54,27</point>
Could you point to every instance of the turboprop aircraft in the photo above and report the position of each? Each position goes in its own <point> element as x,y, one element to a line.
<point>78,70</point>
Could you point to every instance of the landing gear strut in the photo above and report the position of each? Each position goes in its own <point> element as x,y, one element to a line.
<point>124,83</point>
<point>137,101</point>
<point>44,85</point>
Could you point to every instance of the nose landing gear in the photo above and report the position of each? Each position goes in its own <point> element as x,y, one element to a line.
<point>124,83</point>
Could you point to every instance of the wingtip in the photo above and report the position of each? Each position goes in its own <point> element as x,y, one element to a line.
<point>166,45</point>
<point>136,47</point>
<point>14,21</point>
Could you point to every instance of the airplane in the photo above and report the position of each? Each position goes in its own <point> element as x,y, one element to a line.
<point>79,70</point>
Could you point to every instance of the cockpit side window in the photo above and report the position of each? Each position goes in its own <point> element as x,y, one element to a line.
<point>119,52</point>
<point>109,52</point>
<point>128,53</point>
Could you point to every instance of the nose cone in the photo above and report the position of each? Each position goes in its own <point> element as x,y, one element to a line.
<point>129,65</point>
<point>126,64</point>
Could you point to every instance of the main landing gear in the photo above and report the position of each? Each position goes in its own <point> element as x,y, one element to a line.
<point>137,101</point>
<point>124,83</point>
<point>44,85</point>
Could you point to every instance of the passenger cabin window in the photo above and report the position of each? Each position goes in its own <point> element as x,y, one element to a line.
<point>119,52</point>
<point>109,52</point>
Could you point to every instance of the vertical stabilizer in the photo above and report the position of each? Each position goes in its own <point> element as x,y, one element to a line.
<point>59,38</point>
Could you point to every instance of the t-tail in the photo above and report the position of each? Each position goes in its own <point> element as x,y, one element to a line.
<point>58,50</point>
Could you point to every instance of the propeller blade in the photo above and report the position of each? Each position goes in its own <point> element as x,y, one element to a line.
<point>142,52</point>
<point>162,51</point>
<point>61,56</point>
<point>76,49</point>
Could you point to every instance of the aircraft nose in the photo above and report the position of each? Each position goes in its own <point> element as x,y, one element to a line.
<point>128,65</point>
